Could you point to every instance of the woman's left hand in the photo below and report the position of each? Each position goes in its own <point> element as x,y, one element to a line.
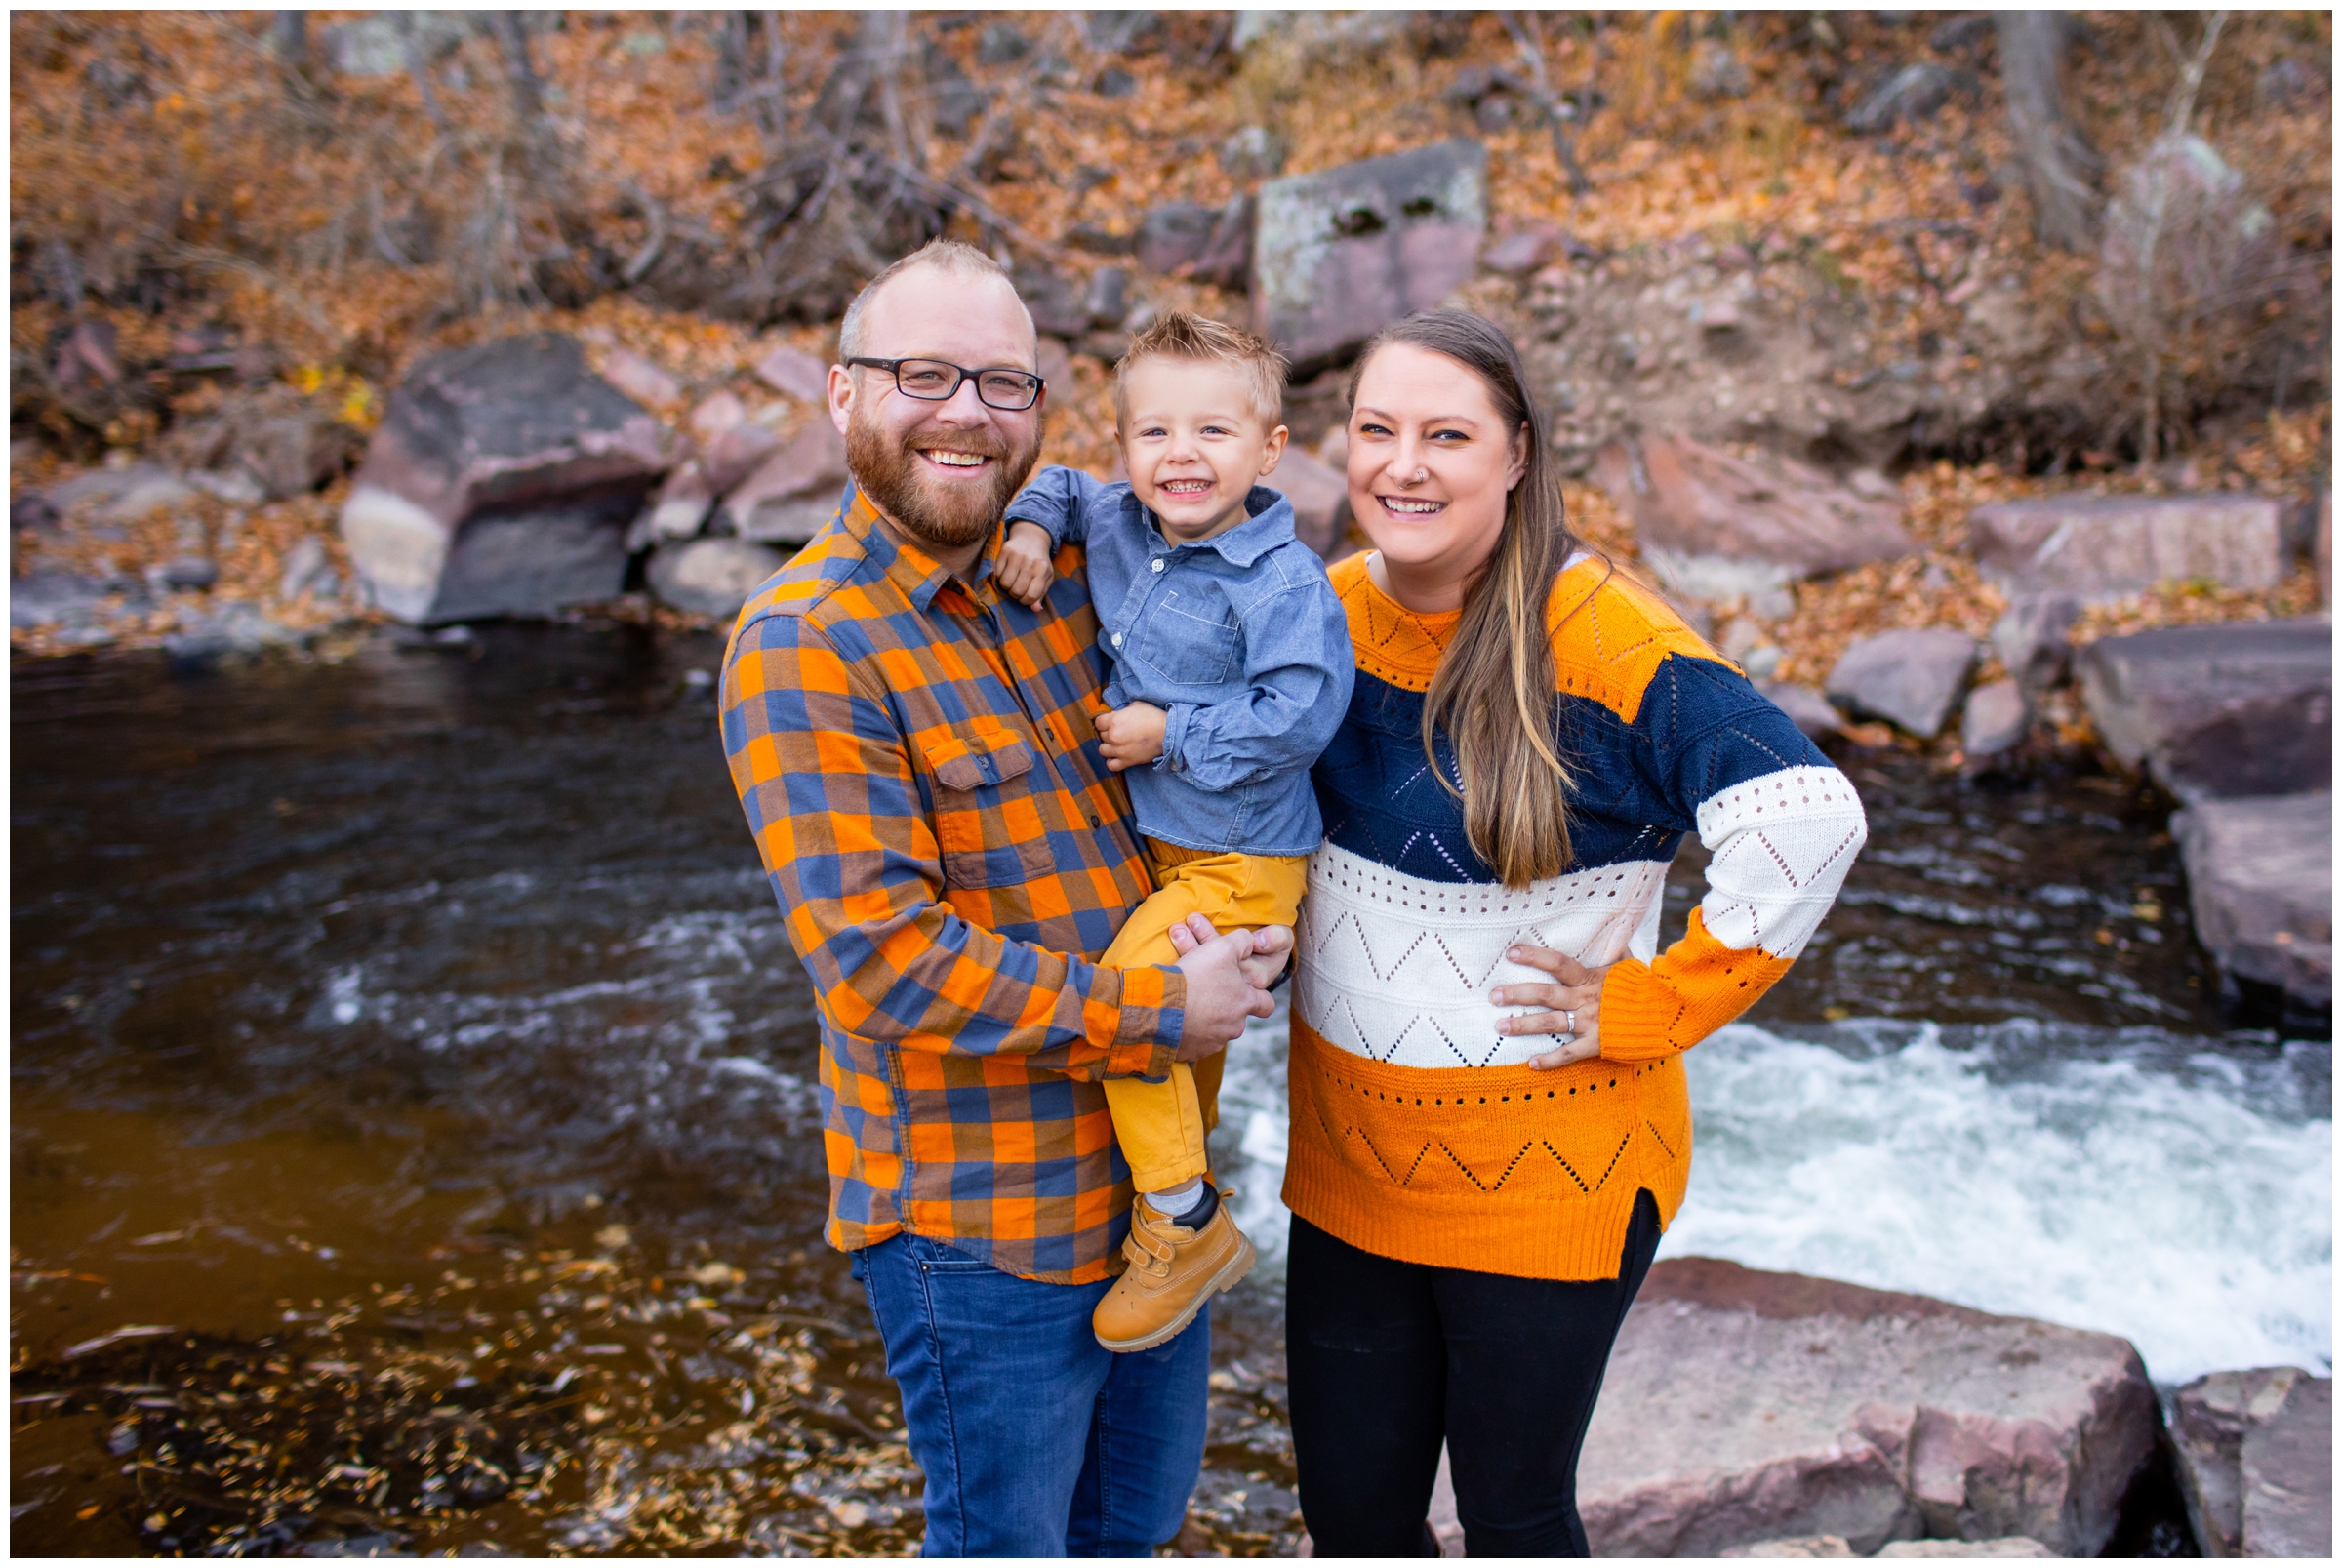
<point>1572,1007</point>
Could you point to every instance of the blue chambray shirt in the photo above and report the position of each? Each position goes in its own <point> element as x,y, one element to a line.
<point>1239,639</point>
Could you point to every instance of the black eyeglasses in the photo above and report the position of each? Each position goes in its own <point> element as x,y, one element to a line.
<point>936,381</point>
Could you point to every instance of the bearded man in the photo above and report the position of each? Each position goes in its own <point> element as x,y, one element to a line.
<point>916,754</point>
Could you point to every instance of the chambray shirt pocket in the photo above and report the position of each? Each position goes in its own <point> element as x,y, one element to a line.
<point>1188,636</point>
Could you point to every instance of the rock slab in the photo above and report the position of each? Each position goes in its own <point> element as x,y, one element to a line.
<point>1744,1406</point>
<point>1912,679</point>
<point>500,483</point>
<point>1715,526</point>
<point>2261,889</point>
<point>2216,1420</point>
<point>2104,547</point>
<point>794,494</point>
<point>1339,253</point>
<point>1995,721</point>
<point>711,576</point>
<point>2244,708</point>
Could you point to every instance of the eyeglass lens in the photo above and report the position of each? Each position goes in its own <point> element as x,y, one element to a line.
<point>937,380</point>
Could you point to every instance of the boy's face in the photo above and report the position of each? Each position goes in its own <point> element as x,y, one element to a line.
<point>1194,444</point>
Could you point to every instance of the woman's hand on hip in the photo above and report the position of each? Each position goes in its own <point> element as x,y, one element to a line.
<point>1572,1006</point>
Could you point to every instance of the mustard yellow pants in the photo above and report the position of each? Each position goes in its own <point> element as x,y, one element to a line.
<point>1162,1126</point>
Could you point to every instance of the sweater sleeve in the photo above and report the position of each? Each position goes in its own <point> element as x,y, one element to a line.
<point>1782,827</point>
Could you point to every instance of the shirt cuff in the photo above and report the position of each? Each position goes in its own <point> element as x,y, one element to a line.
<point>1151,1016</point>
<point>1175,737</point>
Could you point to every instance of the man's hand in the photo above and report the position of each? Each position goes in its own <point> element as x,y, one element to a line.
<point>1271,946</point>
<point>1133,735</point>
<point>1574,1007</point>
<point>1023,570</point>
<point>1221,995</point>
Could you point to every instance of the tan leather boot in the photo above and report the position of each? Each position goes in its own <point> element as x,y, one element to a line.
<point>1173,1272</point>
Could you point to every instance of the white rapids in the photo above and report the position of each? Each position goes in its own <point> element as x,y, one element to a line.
<point>2176,1190</point>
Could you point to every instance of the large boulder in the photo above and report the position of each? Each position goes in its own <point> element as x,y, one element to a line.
<point>1743,1406</point>
<point>500,483</point>
<point>1320,497</point>
<point>1715,526</point>
<point>794,494</point>
<point>1190,240</point>
<point>1339,253</point>
<point>2105,548</point>
<point>2244,708</point>
<point>1912,679</point>
<point>2261,889</point>
<point>711,576</point>
<point>2256,1449</point>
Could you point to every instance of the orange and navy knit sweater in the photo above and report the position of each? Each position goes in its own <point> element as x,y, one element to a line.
<point>1419,1133</point>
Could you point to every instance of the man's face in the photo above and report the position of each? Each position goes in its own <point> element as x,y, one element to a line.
<point>941,472</point>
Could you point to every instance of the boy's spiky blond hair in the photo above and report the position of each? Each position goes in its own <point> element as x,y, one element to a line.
<point>1182,335</point>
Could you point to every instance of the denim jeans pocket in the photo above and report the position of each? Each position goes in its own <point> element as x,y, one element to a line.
<point>937,1258</point>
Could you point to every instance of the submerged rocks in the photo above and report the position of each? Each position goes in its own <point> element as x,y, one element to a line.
<point>2261,889</point>
<point>1715,526</point>
<point>501,482</point>
<point>1743,1406</point>
<point>2244,708</point>
<point>1912,679</point>
<point>2256,1462</point>
<point>1338,254</point>
<point>2110,546</point>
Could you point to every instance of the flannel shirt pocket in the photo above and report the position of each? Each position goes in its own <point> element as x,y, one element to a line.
<point>988,826</point>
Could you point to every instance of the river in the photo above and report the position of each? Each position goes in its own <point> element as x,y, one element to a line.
<point>413,1143</point>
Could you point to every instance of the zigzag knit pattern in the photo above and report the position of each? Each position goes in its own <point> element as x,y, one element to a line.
<point>1419,1132</point>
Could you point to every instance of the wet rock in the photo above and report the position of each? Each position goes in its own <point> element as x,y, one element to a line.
<point>2003,1547</point>
<point>2210,1421</point>
<point>711,576</point>
<point>794,373</point>
<point>501,482</point>
<point>1718,72</point>
<point>1996,720</point>
<point>235,627</point>
<point>1320,497</point>
<point>2211,712</point>
<point>1910,94</point>
<point>1912,679</point>
<point>2260,888</point>
<point>1253,152</point>
<point>1743,1406</point>
<point>2289,1477</point>
<point>1715,526</point>
<point>794,494</point>
<point>2103,547</point>
<point>1339,253</point>
<point>1806,1546</point>
<point>2030,638</point>
<point>1187,239</point>
<point>1806,708</point>
<point>639,378</point>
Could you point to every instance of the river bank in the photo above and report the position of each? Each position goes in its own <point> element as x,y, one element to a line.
<point>412,1081</point>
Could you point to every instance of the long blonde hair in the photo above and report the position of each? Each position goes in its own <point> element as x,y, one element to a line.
<point>1515,784</point>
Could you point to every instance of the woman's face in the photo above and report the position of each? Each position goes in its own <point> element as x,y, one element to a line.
<point>1430,463</point>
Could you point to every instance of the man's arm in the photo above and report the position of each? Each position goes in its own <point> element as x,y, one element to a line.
<point>1298,673</point>
<point>1059,499</point>
<point>827,783</point>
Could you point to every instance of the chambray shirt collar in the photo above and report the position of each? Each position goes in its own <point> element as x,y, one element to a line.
<point>1269,525</point>
<point>909,568</point>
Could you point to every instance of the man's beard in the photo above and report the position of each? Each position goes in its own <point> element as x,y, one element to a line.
<point>894,475</point>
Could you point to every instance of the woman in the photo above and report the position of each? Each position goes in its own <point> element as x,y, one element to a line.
<point>1491,1127</point>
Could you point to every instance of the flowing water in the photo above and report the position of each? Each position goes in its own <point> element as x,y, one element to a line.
<point>414,1141</point>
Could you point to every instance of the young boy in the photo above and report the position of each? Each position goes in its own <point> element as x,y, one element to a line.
<point>1231,668</point>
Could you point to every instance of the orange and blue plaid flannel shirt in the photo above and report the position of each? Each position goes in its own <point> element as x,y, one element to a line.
<point>916,757</point>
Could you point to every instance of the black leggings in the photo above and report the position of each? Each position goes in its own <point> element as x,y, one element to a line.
<point>1386,1359</point>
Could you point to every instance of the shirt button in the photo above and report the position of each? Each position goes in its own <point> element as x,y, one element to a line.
<point>1095,823</point>
<point>1158,563</point>
<point>1117,639</point>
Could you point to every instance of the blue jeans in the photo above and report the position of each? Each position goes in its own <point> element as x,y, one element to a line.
<point>1036,1440</point>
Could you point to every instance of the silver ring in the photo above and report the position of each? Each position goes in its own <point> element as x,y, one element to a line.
<point>1569,1015</point>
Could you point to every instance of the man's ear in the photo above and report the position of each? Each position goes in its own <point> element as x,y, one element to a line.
<point>841,397</point>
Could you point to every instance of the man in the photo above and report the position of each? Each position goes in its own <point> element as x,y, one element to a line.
<point>916,754</point>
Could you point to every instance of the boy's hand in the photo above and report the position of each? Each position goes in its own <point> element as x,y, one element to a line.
<point>1133,735</point>
<point>1024,571</point>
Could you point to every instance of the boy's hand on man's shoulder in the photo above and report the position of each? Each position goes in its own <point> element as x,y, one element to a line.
<point>1024,572</point>
<point>1133,735</point>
